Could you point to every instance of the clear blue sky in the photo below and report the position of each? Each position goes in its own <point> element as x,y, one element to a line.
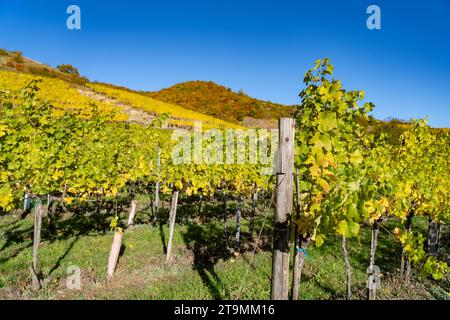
<point>263,47</point>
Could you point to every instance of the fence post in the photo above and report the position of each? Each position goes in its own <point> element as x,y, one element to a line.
<point>38,212</point>
<point>173,216</point>
<point>284,206</point>
<point>114,254</point>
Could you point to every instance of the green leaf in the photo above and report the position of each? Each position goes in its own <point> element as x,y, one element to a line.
<point>356,157</point>
<point>342,228</point>
<point>353,229</point>
<point>348,228</point>
<point>352,212</point>
<point>320,240</point>
<point>327,121</point>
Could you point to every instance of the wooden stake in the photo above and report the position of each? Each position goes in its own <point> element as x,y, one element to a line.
<point>298,255</point>
<point>284,205</point>
<point>114,254</point>
<point>132,212</point>
<point>405,267</point>
<point>172,218</point>
<point>38,212</point>
<point>347,268</point>
<point>372,281</point>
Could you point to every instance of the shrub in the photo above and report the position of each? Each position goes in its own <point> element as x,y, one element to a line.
<point>20,67</point>
<point>3,52</point>
<point>69,69</point>
<point>18,57</point>
<point>42,72</point>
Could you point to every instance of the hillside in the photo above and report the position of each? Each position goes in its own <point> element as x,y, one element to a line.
<point>202,97</point>
<point>15,61</point>
<point>220,102</point>
<point>213,104</point>
<point>69,90</point>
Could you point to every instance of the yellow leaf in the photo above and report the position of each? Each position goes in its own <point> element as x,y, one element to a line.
<point>384,202</point>
<point>356,157</point>
<point>325,186</point>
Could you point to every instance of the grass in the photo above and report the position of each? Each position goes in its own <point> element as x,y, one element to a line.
<point>204,267</point>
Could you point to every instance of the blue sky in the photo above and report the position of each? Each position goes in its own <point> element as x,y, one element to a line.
<point>263,47</point>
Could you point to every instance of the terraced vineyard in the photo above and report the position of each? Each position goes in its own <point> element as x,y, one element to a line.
<point>122,104</point>
<point>179,115</point>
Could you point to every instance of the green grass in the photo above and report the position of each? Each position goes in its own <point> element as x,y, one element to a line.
<point>204,267</point>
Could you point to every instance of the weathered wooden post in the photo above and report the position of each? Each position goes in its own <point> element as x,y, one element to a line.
<point>298,260</point>
<point>372,281</point>
<point>38,212</point>
<point>284,206</point>
<point>405,266</point>
<point>132,212</point>
<point>114,253</point>
<point>172,218</point>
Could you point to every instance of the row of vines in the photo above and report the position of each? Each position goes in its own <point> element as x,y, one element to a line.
<point>346,175</point>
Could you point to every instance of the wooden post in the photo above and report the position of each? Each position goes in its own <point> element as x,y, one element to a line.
<point>347,268</point>
<point>172,218</point>
<point>296,274</point>
<point>372,281</point>
<point>114,253</point>
<point>284,205</point>
<point>132,212</point>
<point>49,201</point>
<point>38,212</point>
<point>405,267</point>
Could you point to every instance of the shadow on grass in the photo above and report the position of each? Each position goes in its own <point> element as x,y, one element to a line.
<point>63,256</point>
<point>58,225</point>
<point>209,246</point>
<point>206,243</point>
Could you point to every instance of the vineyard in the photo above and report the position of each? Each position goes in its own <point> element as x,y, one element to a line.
<point>366,218</point>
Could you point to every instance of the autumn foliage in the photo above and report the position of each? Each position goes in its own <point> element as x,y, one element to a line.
<point>220,102</point>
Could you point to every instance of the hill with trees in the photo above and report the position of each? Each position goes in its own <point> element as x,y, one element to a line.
<point>220,102</point>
